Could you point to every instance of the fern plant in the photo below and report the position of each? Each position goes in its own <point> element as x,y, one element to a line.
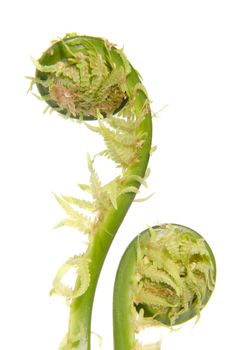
<point>88,79</point>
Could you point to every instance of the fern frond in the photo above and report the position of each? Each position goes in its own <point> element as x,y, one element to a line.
<point>173,248</point>
<point>121,155</point>
<point>81,266</point>
<point>81,203</point>
<point>66,206</point>
<point>58,286</point>
<point>81,223</point>
<point>120,138</point>
<point>95,182</point>
<point>81,263</point>
<point>97,190</point>
<point>124,124</point>
<point>150,297</point>
<point>161,277</point>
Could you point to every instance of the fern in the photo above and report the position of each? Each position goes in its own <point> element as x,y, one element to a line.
<point>171,272</point>
<point>81,265</point>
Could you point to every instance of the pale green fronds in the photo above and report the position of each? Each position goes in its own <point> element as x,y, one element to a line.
<point>120,138</point>
<point>186,297</point>
<point>97,190</point>
<point>173,248</point>
<point>58,286</point>
<point>66,206</point>
<point>121,155</point>
<point>75,219</point>
<point>81,263</point>
<point>149,297</point>
<point>81,203</point>
<point>81,266</point>
<point>171,275</point>
<point>121,146</point>
<point>199,249</point>
<point>124,124</point>
<point>81,223</point>
<point>159,277</point>
<point>95,182</point>
<point>194,289</point>
<point>163,262</point>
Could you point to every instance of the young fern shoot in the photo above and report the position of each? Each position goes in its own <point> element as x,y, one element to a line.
<point>87,78</point>
<point>166,276</point>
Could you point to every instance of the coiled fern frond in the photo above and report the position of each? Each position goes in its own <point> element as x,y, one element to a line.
<point>166,277</point>
<point>86,78</point>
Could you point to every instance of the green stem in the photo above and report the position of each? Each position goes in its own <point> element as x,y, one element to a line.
<point>122,303</point>
<point>81,308</point>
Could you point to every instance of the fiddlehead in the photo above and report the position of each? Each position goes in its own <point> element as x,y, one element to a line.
<point>166,277</point>
<point>87,78</point>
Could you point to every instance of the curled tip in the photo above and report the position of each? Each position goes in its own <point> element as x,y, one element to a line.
<point>85,77</point>
<point>177,274</point>
<point>165,277</point>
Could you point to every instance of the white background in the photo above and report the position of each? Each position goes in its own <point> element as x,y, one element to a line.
<point>183,51</point>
